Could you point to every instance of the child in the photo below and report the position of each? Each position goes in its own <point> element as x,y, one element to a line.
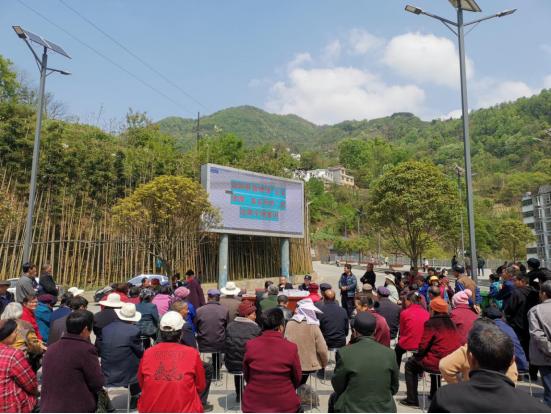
<point>494,289</point>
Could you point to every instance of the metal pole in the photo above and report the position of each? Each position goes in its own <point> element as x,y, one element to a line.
<point>223,261</point>
<point>358,225</point>
<point>345,228</point>
<point>285,257</point>
<point>379,253</point>
<point>462,231</point>
<point>465,107</point>
<point>36,153</point>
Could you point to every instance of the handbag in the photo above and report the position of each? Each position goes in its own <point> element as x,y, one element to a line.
<point>103,401</point>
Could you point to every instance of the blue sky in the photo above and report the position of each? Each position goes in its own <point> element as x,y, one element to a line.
<point>326,61</point>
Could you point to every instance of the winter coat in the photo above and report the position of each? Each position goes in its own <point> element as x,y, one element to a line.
<point>394,295</point>
<point>43,314</point>
<point>539,318</point>
<point>238,333</point>
<point>196,295</point>
<point>486,392</point>
<point>423,291</point>
<point>23,287</point>
<point>494,290</point>
<point>312,348</point>
<point>287,313</point>
<point>162,302</point>
<point>271,369</point>
<point>232,305</point>
<point>269,303</point>
<point>211,323</point>
<point>366,378</point>
<point>505,293</point>
<point>334,324</point>
<point>369,278</point>
<point>71,377</point>
<point>520,302</point>
<point>29,316</point>
<point>101,320</point>
<point>412,324</point>
<point>121,351</point>
<point>520,356</point>
<point>465,282</point>
<point>391,312</point>
<point>48,284</point>
<point>350,285</point>
<point>440,338</point>
<point>26,339</point>
<point>463,317</point>
<point>382,331</point>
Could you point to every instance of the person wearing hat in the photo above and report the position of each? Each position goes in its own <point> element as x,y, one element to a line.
<point>366,376</point>
<point>121,352</point>
<point>106,316</point>
<point>283,284</point>
<point>170,374</point>
<point>388,310</point>
<point>435,281</point>
<point>271,299</point>
<point>462,315</point>
<point>304,330</point>
<point>210,325</point>
<point>367,290</point>
<point>76,291</point>
<point>18,383</point>
<point>229,300</point>
<point>5,296</point>
<point>239,332</point>
<point>390,284</point>
<point>182,293</point>
<point>440,338</point>
<point>465,282</point>
<point>313,288</point>
<point>307,280</point>
<point>323,288</point>
<point>43,314</point>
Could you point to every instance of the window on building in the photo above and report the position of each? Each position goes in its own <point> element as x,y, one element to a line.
<point>547,198</point>
<point>538,226</point>
<point>531,225</point>
<point>528,214</point>
<point>532,250</point>
<point>537,213</point>
<point>540,238</point>
<point>527,202</point>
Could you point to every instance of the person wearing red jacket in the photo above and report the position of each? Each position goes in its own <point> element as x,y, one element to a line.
<point>30,303</point>
<point>440,338</point>
<point>462,315</point>
<point>313,288</point>
<point>412,322</point>
<point>171,375</point>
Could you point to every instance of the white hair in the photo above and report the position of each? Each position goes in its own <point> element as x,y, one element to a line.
<point>13,311</point>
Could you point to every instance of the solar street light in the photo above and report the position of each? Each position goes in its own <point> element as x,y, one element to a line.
<point>467,5</point>
<point>29,36</point>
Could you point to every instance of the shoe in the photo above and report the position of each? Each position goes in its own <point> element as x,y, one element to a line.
<point>134,402</point>
<point>406,403</point>
<point>208,407</point>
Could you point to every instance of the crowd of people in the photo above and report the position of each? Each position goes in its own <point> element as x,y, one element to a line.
<point>149,339</point>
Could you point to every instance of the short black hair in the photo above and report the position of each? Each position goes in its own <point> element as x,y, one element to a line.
<point>268,283</point>
<point>134,291</point>
<point>78,302</point>
<point>176,276</point>
<point>78,320</point>
<point>282,299</point>
<point>29,298</point>
<point>190,273</point>
<point>28,266</point>
<point>434,290</point>
<point>413,298</point>
<point>546,288</point>
<point>166,290</point>
<point>365,300</point>
<point>495,277</point>
<point>522,276</point>
<point>348,266</point>
<point>171,336</point>
<point>144,279</point>
<point>66,299</point>
<point>421,278</point>
<point>414,286</point>
<point>272,319</point>
<point>491,346</point>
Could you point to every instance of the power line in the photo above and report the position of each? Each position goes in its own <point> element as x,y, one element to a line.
<point>106,58</point>
<point>136,57</point>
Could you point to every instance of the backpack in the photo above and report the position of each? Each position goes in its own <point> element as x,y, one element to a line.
<point>308,397</point>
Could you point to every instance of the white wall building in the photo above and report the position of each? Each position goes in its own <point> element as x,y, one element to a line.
<point>536,213</point>
<point>331,175</point>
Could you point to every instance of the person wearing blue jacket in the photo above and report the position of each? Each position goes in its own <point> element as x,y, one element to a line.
<point>509,286</point>
<point>43,315</point>
<point>347,286</point>
<point>494,290</point>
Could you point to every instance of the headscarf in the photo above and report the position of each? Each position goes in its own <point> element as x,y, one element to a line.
<point>7,326</point>
<point>307,310</point>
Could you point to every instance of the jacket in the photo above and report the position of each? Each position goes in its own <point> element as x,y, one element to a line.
<point>465,282</point>
<point>412,323</point>
<point>211,323</point>
<point>539,318</point>
<point>57,329</point>
<point>238,334</point>
<point>440,338</point>
<point>196,295</point>
<point>10,297</point>
<point>121,351</point>
<point>457,363</point>
<point>18,383</point>
<point>149,312</point>
<point>391,312</point>
<point>350,284</point>
<point>269,303</point>
<point>505,293</point>
<point>423,291</point>
<point>59,313</point>
<point>43,314</point>
<point>334,324</point>
<point>369,277</point>
<point>536,274</point>
<point>366,378</point>
<point>463,317</point>
<point>171,377</point>
<point>23,287</point>
<point>71,376</point>
<point>26,339</point>
<point>394,295</point>
<point>48,284</point>
<point>314,297</point>
<point>382,331</point>
<point>30,317</point>
<point>520,302</point>
<point>494,290</point>
<point>162,302</point>
<point>486,392</point>
<point>271,363</point>
<point>232,305</point>
<point>312,349</point>
<point>287,313</point>
<point>287,286</point>
<point>520,356</point>
<point>101,320</point>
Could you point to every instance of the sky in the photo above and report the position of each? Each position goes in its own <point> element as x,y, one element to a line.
<point>326,61</point>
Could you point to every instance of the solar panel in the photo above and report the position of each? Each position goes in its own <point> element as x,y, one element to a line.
<point>37,39</point>
<point>57,48</point>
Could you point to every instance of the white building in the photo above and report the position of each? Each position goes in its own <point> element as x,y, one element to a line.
<point>536,213</point>
<point>331,175</point>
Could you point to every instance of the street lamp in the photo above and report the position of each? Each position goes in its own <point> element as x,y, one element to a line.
<point>460,171</point>
<point>43,65</point>
<point>464,5</point>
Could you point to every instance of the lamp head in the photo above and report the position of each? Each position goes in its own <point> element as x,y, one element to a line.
<point>506,13</point>
<point>64,72</point>
<point>19,32</point>
<point>414,10</point>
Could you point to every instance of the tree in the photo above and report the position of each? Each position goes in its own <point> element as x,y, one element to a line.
<point>164,213</point>
<point>412,203</point>
<point>8,82</point>
<point>513,236</point>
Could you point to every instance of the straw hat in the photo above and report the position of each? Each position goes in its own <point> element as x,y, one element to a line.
<point>230,289</point>
<point>76,291</point>
<point>128,313</point>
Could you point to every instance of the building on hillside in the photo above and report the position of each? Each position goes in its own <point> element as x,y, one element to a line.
<point>332,175</point>
<point>536,213</point>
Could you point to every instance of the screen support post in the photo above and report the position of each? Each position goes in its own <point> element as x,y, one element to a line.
<point>223,261</point>
<point>285,257</point>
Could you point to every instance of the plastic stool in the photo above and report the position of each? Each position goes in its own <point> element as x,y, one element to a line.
<point>438,384</point>
<point>235,374</point>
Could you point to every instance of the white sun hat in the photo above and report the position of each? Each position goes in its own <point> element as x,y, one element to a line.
<point>230,289</point>
<point>171,322</point>
<point>128,313</point>
<point>113,301</point>
<point>76,291</point>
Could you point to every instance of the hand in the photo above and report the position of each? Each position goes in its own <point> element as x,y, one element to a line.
<point>500,287</point>
<point>343,288</point>
<point>477,309</point>
<point>324,365</point>
<point>399,302</point>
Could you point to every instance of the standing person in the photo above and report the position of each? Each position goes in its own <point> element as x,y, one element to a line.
<point>162,299</point>
<point>480,265</point>
<point>182,293</point>
<point>271,299</point>
<point>304,330</point>
<point>462,315</point>
<point>211,323</point>
<point>170,374</point>
<point>30,303</point>
<point>539,318</point>
<point>369,276</point>
<point>425,264</point>
<point>347,287</point>
<point>47,281</point>
<point>238,333</point>
<point>18,383</point>
<point>534,272</point>
<point>6,297</point>
<point>71,373</point>
<point>59,327</point>
<point>230,301</point>
<point>366,375</point>
<point>372,260</point>
<point>279,369</point>
<point>196,295</point>
<point>507,288</point>
<point>307,280</point>
<point>43,314</point>
<point>106,317</point>
<point>454,261</point>
<point>25,284</point>
<point>490,353</point>
<point>149,322</point>
<point>282,303</point>
<point>465,282</point>
<point>283,284</point>
<point>386,261</point>
<point>412,323</point>
<point>440,338</point>
<point>382,332</point>
<point>388,310</point>
<point>121,352</point>
<point>367,290</point>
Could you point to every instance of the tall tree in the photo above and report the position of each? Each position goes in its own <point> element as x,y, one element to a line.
<point>513,236</point>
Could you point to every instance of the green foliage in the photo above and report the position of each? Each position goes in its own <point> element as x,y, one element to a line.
<point>513,237</point>
<point>8,83</point>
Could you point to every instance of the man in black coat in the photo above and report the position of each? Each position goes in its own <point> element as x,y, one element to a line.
<point>106,317</point>
<point>369,276</point>
<point>283,284</point>
<point>59,327</point>
<point>5,296</point>
<point>47,281</point>
<point>282,303</point>
<point>259,298</point>
<point>333,324</point>
<point>490,352</point>
<point>388,310</point>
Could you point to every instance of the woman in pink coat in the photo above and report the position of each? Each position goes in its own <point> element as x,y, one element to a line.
<point>162,300</point>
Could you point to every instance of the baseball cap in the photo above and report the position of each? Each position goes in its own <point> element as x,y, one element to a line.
<point>307,277</point>
<point>171,322</point>
<point>325,286</point>
<point>383,291</point>
<point>459,269</point>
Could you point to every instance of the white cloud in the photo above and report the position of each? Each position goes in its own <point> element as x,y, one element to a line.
<point>489,92</point>
<point>299,60</point>
<point>362,42</point>
<point>331,51</point>
<point>327,96</point>
<point>546,48</point>
<point>455,114</point>
<point>425,59</point>
<point>547,82</point>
